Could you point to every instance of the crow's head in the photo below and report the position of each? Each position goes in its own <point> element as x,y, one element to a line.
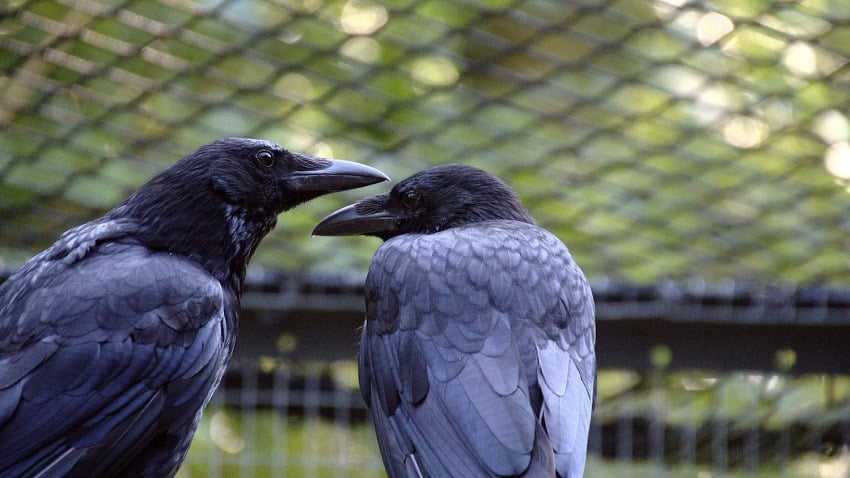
<point>429,201</point>
<point>253,176</point>
<point>217,203</point>
<point>254,173</point>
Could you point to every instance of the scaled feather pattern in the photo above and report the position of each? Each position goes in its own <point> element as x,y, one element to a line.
<point>114,339</point>
<point>477,355</point>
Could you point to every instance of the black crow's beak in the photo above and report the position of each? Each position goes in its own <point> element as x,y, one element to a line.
<point>348,221</point>
<point>339,175</point>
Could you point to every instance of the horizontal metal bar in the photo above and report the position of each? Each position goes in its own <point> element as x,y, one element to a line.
<point>729,326</point>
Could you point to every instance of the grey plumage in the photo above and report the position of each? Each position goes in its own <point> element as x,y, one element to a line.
<point>477,355</point>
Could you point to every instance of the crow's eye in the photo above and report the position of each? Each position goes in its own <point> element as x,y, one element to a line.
<point>266,158</point>
<point>410,199</point>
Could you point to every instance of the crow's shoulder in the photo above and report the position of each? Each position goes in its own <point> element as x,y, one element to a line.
<point>508,266</point>
<point>99,335</point>
<point>98,283</point>
<point>72,247</point>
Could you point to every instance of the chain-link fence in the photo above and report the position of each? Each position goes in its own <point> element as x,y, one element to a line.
<point>686,424</point>
<point>663,138</point>
<point>700,142</point>
<point>742,384</point>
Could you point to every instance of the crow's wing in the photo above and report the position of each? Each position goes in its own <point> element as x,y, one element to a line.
<point>477,339</point>
<point>101,352</point>
<point>566,366</point>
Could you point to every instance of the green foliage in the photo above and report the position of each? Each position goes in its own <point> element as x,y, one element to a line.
<point>233,442</point>
<point>658,140</point>
<point>280,446</point>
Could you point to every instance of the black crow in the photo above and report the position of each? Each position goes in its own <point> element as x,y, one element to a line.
<point>477,355</point>
<point>113,340</point>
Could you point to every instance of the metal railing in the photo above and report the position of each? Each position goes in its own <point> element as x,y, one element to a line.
<point>727,381</point>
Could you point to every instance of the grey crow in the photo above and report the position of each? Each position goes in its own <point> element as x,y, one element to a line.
<point>477,354</point>
<point>113,340</point>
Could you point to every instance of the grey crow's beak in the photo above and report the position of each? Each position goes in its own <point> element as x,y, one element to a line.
<point>349,222</point>
<point>339,175</point>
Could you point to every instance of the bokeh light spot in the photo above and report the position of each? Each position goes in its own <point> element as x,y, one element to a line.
<point>435,71</point>
<point>712,27</point>
<point>745,132</point>
<point>363,49</point>
<point>837,160</point>
<point>360,17</point>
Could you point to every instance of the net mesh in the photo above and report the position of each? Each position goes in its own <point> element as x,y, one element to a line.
<point>659,139</point>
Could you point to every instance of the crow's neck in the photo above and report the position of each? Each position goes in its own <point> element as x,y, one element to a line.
<point>245,228</point>
<point>220,237</point>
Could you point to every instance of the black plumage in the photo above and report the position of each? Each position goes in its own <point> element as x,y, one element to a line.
<point>113,340</point>
<point>477,354</point>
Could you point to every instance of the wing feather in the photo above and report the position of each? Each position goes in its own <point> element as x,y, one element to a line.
<point>94,350</point>
<point>463,346</point>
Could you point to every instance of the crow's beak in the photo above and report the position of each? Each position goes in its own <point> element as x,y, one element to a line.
<point>338,176</point>
<point>349,222</point>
